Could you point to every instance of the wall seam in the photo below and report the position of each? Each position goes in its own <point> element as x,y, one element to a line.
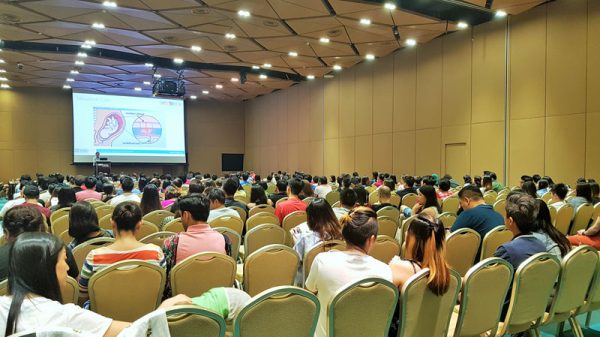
<point>506,97</point>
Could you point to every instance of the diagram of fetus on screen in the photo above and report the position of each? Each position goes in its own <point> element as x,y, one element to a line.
<point>121,127</point>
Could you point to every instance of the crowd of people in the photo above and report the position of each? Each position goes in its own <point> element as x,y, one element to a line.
<point>37,263</point>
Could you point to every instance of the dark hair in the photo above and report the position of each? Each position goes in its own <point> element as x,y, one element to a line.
<point>525,178</point>
<point>348,197</point>
<point>32,269</point>
<point>470,192</point>
<point>487,181</point>
<point>536,177</point>
<point>544,223</point>
<point>127,215</point>
<point>31,191</point>
<point>127,184</point>
<point>522,208</point>
<point>584,190</point>
<point>445,185</point>
<point>384,192</point>
<point>230,186</point>
<point>321,219</point>
<point>89,182</point>
<point>323,180</point>
<point>195,188</point>
<point>281,185</point>
<point>595,188</point>
<point>257,195</point>
<point>295,185</point>
<point>409,181</point>
<point>307,190</point>
<point>362,197</point>
<point>477,181</point>
<point>108,188</point>
<point>543,183</point>
<point>177,182</point>
<point>529,188</point>
<point>425,244</point>
<point>150,199</point>
<point>19,220</point>
<point>467,179</point>
<point>83,220</point>
<point>430,197</point>
<point>561,190</point>
<point>216,195</point>
<point>359,225</point>
<point>66,197</point>
<point>197,204</point>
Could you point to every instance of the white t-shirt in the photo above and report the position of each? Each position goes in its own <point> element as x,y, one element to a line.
<point>124,197</point>
<point>322,190</point>
<point>10,204</point>
<point>340,212</point>
<point>332,270</point>
<point>219,212</point>
<point>40,312</point>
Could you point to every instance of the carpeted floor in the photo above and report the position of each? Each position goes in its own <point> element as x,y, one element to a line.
<point>593,331</point>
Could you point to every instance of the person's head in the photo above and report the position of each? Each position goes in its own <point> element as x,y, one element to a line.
<point>31,192</point>
<point>467,179</point>
<point>195,187</point>
<point>362,197</point>
<point>521,213</point>
<point>142,182</point>
<point>529,188</point>
<point>281,185</point>
<point>595,189</point>
<point>536,177</point>
<point>549,180</point>
<point>425,243</point>
<point>257,195</point>
<point>390,184</point>
<point>108,188</point>
<point>230,186</point>
<point>294,187</point>
<point>584,190</point>
<point>37,265</point>
<point>83,220</point>
<point>375,175</point>
<point>321,219</point>
<point>359,228</point>
<point>477,180</point>
<point>177,182</point>
<point>426,196</point>
<point>525,178</point>
<point>18,220</point>
<point>384,194</point>
<point>171,193</point>
<point>97,154</point>
<point>543,184</point>
<point>470,196</point>
<point>216,198</point>
<point>126,218</point>
<point>194,208</point>
<point>307,190</point>
<point>127,184</point>
<point>409,181</point>
<point>89,182</point>
<point>150,199</point>
<point>444,185</point>
<point>544,223</point>
<point>559,192</point>
<point>66,197</point>
<point>486,183</point>
<point>348,198</point>
<point>43,183</point>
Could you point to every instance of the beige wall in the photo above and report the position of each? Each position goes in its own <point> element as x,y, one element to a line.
<point>36,134</point>
<point>440,107</point>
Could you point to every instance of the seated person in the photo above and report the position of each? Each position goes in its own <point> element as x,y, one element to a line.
<point>590,236</point>
<point>332,270</point>
<point>217,206</point>
<point>127,185</point>
<point>556,242</point>
<point>32,195</point>
<point>348,200</point>
<point>595,192</point>
<point>171,196</point>
<point>230,186</point>
<point>444,190</point>
<point>385,194</point>
<point>583,195</point>
<point>476,214</point>
<point>293,203</point>
<point>90,190</point>
<point>323,188</point>
<point>559,193</point>
<point>427,203</point>
<point>83,224</point>
<point>280,191</point>
<point>258,197</point>
<point>126,221</point>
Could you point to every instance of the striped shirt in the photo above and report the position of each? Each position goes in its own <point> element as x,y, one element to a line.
<point>103,257</point>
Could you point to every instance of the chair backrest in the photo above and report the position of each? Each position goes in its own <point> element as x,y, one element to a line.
<point>65,237</point>
<point>157,217</point>
<point>104,210</point>
<point>80,252</point>
<point>447,219</point>
<point>59,212</point>
<point>374,197</point>
<point>70,291</point>
<point>461,249</point>
<point>409,200</point>
<point>395,199</point>
<point>308,200</point>
<point>484,290</point>
<point>592,300</point>
<point>175,226</point>
<point>193,321</point>
<point>105,222</point>
<point>500,207</point>
<point>553,212</point>
<point>280,201</point>
<point>547,196</point>
<point>263,235</point>
<point>450,204</point>
<point>596,212</point>
<point>323,246</point>
<point>493,239</point>
<point>201,272</point>
<point>127,290</point>
<point>268,314</point>
<point>533,283</point>
<point>419,301</point>
<point>96,203</point>
<point>564,216</point>
<point>387,226</point>
<point>4,287</point>
<point>271,188</point>
<point>261,218</point>
<point>261,208</point>
<point>582,219</point>
<point>577,271</point>
<point>490,198</point>
<point>232,222</point>
<point>157,238</point>
<point>268,267</point>
<point>332,197</point>
<point>242,212</point>
<point>385,248</point>
<point>346,310</point>
<point>336,204</point>
<point>234,238</point>
<point>405,224</point>
<point>60,224</point>
<point>389,211</point>
<point>147,228</point>
<point>290,221</point>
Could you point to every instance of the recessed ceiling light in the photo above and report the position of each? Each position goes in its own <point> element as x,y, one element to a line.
<point>86,46</point>
<point>3,79</point>
<point>365,22</point>
<point>411,42</point>
<point>74,72</point>
<point>98,25</point>
<point>66,86</point>
<point>196,48</point>
<point>137,89</point>
<point>243,13</point>
<point>205,92</point>
<point>234,79</point>
<point>255,67</point>
<point>262,76</point>
<point>178,60</point>
<point>81,54</point>
<point>230,36</point>
<point>4,86</point>
<point>462,25</point>
<point>157,75</point>
<point>293,54</point>
<point>147,83</point>
<point>90,42</point>
<point>370,57</point>
<point>2,61</point>
<point>310,77</point>
<point>267,65</point>
<point>219,86</point>
<point>149,64</point>
<point>337,67</point>
<point>109,4</point>
<point>324,40</point>
<point>70,80</point>
<point>193,97</point>
<point>501,14</point>
<point>390,6</point>
<point>2,71</point>
<point>79,63</point>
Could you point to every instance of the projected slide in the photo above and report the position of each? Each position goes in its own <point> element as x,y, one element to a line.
<point>128,129</point>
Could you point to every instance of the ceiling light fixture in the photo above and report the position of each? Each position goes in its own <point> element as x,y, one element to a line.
<point>98,25</point>
<point>324,40</point>
<point>4,86</point>
<point>501,14</point>
<point>243,13</point>
<point>235,79</point>
<point>310,77</point>
<point>337,67</point>
<point>370,57</point>
<point>411,42</point>
<point>109,4</point>
<point>70,80</point>
<point>255,67</point>
<point>81,54</point>
<point>66,86</point>
<point>390,6</point>
<point>267,65</point>
<point>230,36</point>
<point>262,76</point>
<point>193,97</point>
<point>462,25</point>
<point>74,72</point>
<point>293,54</point>
<point>365,22</point>
<point>137,89</point>
<point>90,42</point>
<point>3,79</point>
<point>157,75</point>
<point>149,64</point>
<point>2,71</point>
<point>219,86</point>
<point>196,48</point>
<point>86,46</point>
<point>178,60</point>
<point>79,63</point>
<point>2,61</point>
<point>205,92</point>
<point>147,83</point>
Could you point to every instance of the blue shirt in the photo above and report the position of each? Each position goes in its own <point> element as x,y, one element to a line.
<point>520,249</point>
<point>481,219</point>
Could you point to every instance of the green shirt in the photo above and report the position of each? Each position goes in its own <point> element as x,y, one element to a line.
<point>215,300</point>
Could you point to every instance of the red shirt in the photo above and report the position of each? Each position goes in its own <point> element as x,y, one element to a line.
<point>286,207</point>
<point>443,195</point>
<point>45,212</point>
<point>88,194</point>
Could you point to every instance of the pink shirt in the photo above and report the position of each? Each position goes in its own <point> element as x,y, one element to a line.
<point>197,239</point>
<point>166,203</point>
<point>286,207</point>
<point>88,194</point>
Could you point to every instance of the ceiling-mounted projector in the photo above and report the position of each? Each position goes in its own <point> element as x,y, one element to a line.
<point>168,87</point>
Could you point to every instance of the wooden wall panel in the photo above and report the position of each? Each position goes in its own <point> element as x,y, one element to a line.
<point>565,148</point>
<point>383,96</point>
<point>331,107</point>
<point>331,154</point>
<point>404,157</point>
<point>363,121</point>
<point>566,63</point>
<point>346,154</point>
<point>428,151</point>
<point>303,111</point>
<point>526,148</point>
<point>592,150</point>
<point>363,154</point>
<point>315,113</point>
<point>460,134</point>
<point>593,57</point>
<point>293,155</point>
<point>405,88</point>
<point>429,85</point>
<point>293,114</point>
<point>347,103</point>
<point>487,148</point>
<point>456,79</point>
<point>383,152</point>
<point>315,157</point>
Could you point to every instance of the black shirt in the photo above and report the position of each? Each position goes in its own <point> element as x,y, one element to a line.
<point>276,196</point>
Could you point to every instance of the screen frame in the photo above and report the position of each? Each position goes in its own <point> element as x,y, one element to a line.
<point>129,163</point>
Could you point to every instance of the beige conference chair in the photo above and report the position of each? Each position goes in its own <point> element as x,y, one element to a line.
<point>583,216</point>
<point>500,207</point>
<point>241,212</point>
<point>105,222</point>
<point>4,287</point>
<point>58,213</point>
<point>268,267</point>
<point>234,238</point>
<point>157,238</point>
<point>193,321</point>
<point>385,248</point>
<point>290,221</point>
<point>104,210</point>
<point>65,237</point>
<point>494,239</point>
<point>592,300</point>
<point>373,197</point>
<point>60,225</point>
<point>261,236</point>
<point>201,272</point>
<point>232,222</point>
<point>261,218</point>
<point>147,228</point>
<point>447,219</point>
<point>387,226</point>
<point>461,249</point>
<point>564,216</point>
<point>389,211</point>
<point>70,291</point>
<point>409,200</point>
<point>323,246</point>
<point>157,217</point>
<point>450,204</point>
<point>332,197</point>
<point>175,226</point>
<point>80,252</point>
<point>261,208</point>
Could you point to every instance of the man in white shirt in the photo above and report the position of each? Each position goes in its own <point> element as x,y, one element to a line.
<point>127,186</point>
<point>348,199</point>
<point>334,269</point>
<point>559,193</point>
<point>323,187</point>
<point>217,206</point>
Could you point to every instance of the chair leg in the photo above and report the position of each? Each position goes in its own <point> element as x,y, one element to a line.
<point>577,331</point>
<point>588,319</point>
